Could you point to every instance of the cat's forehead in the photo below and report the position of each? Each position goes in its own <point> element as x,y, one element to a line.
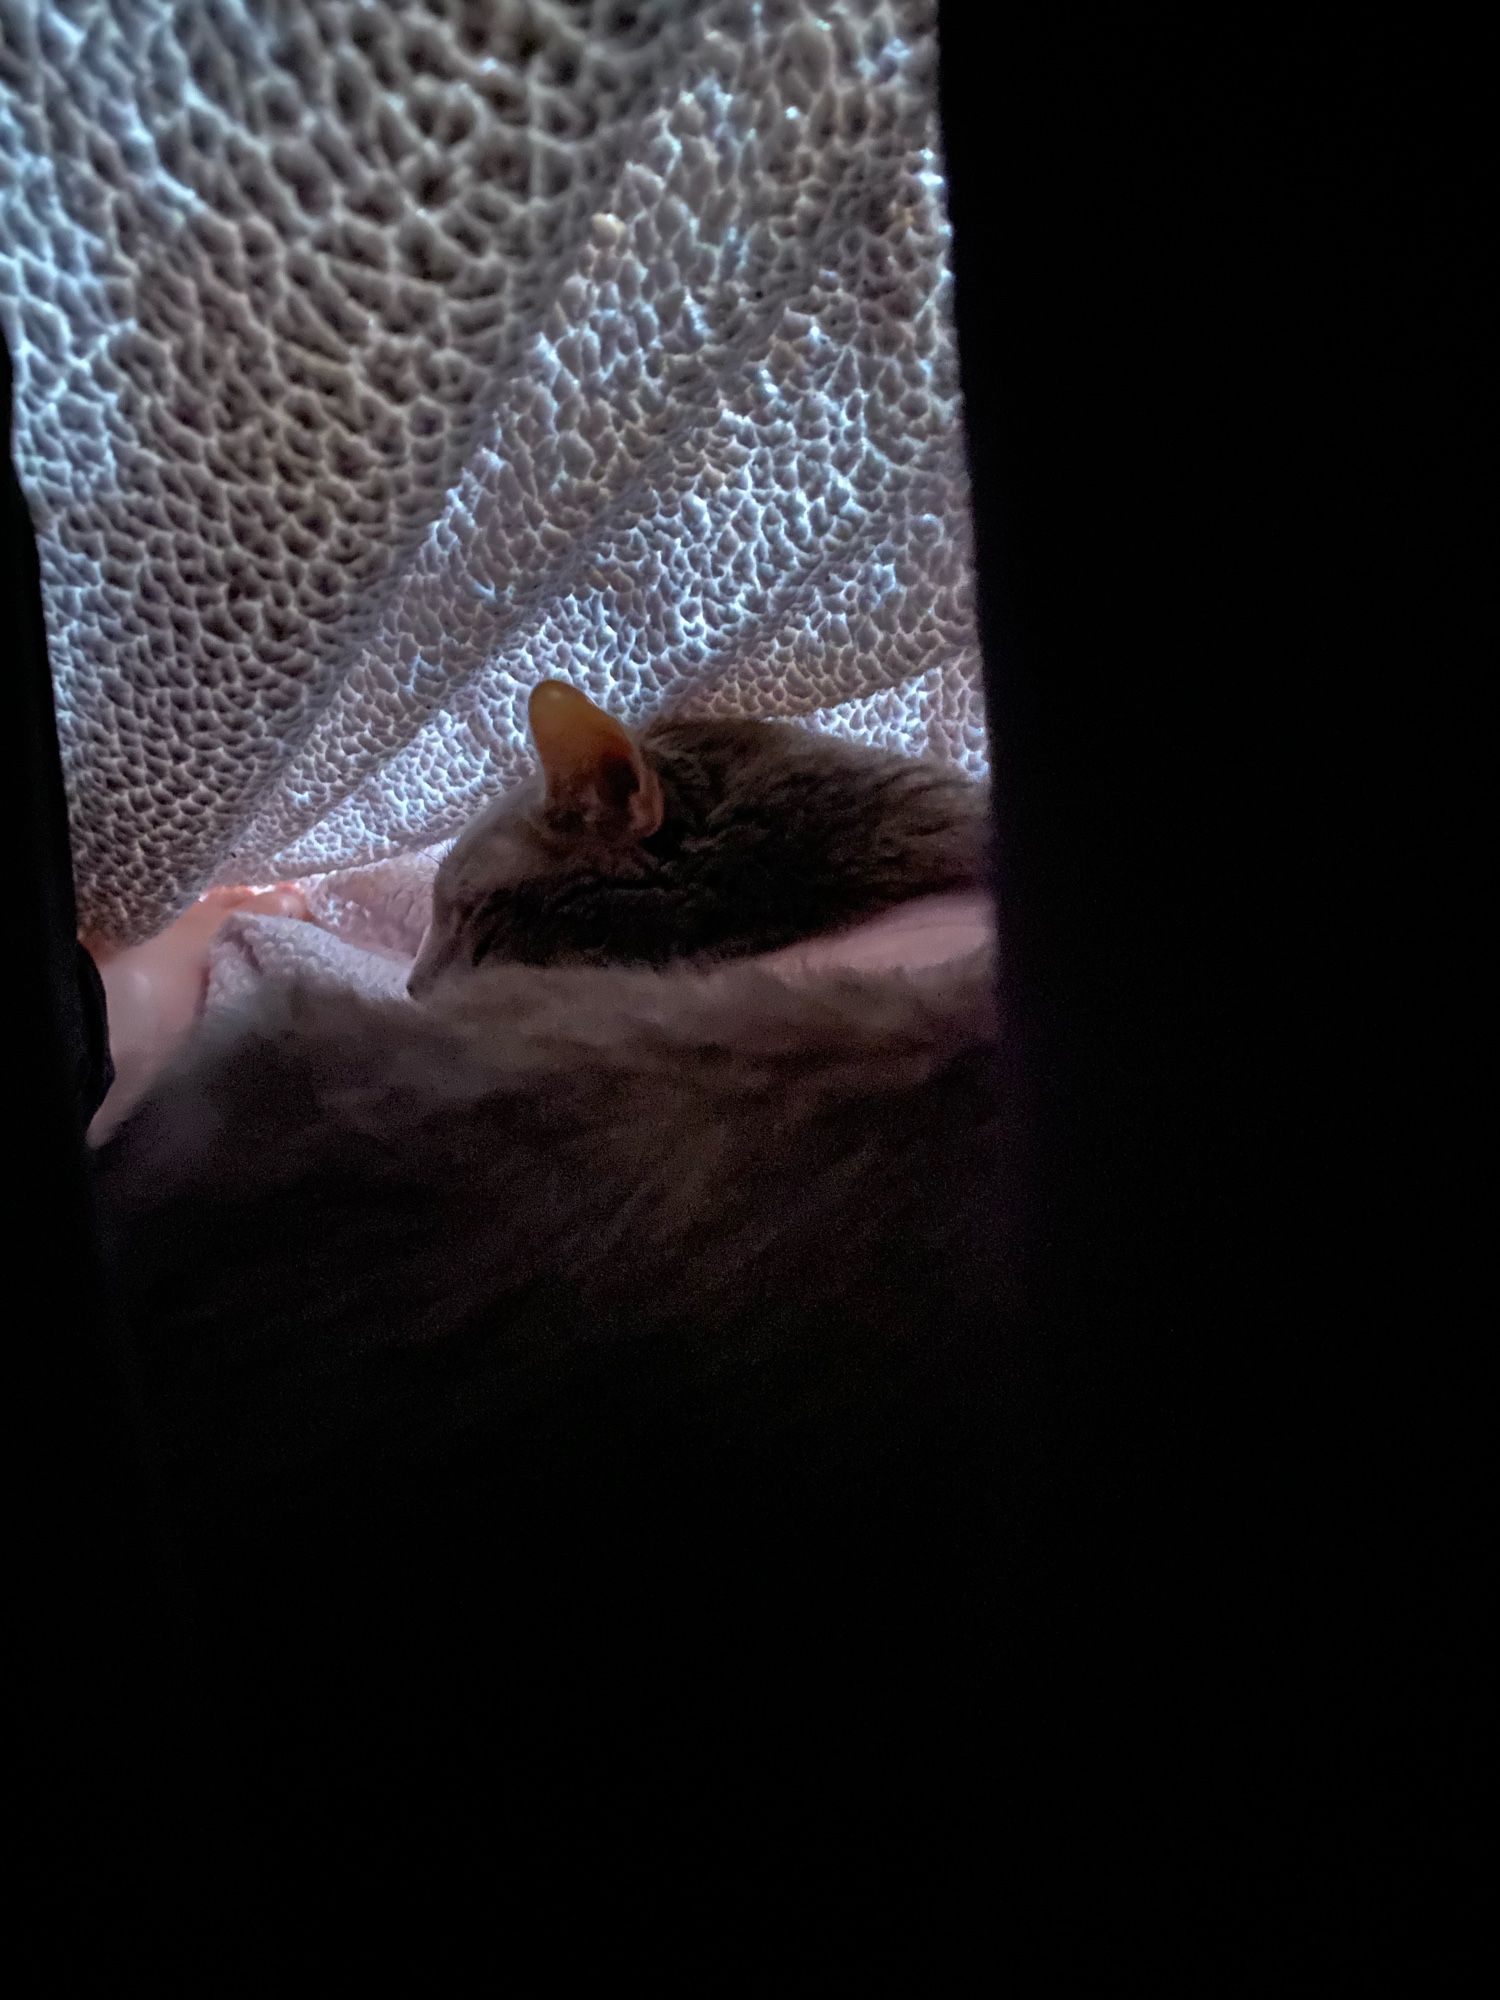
<point>501,843</point>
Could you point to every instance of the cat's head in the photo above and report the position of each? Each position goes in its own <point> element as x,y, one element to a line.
<point>690,840</point>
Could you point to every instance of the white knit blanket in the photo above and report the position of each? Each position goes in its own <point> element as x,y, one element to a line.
<point>377,361</point>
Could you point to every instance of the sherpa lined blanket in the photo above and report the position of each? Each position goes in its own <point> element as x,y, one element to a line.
<point>374,362</point>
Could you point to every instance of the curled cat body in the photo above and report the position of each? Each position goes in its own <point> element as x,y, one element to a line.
<point>350,1225</point>
<point>534,1362</point>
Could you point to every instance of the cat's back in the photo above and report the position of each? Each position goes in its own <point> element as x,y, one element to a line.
<point>353,1195</point>
<point>306,1075</point>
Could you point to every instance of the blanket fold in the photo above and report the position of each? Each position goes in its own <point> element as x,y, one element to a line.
<point>374,363</point>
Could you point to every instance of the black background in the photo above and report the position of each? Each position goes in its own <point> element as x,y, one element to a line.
<point>1220,1728</point>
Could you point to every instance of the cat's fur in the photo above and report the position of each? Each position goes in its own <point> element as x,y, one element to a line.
<point>353,1226</point>
<point>567,1381</point>
<point>361,1229</point>
<point>758,835</point>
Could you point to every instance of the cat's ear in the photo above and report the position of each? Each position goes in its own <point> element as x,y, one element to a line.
<point>595,772</point>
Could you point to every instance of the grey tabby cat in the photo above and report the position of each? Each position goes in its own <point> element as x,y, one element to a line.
<point>600,1138</point>
<point>699,841</point>
<point>586,1293</point>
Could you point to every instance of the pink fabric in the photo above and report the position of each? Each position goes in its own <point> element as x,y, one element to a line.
<point>928,931</point>
<point>363,931</point>
<point>366,925</point>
